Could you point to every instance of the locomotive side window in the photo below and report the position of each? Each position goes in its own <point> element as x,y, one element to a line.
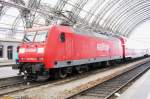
<point>62,37</point>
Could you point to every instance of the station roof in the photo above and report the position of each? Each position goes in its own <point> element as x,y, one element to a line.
<point>114,16</point>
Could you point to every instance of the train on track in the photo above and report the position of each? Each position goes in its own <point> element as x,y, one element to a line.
<point>57,50</point>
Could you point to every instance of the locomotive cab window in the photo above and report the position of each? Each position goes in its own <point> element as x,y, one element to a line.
<point>62,37</point>
<point>29,37</point>
<point>37,36</point>
<point>41,36</point>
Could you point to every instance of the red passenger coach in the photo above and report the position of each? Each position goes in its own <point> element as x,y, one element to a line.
<point>132,48</point>
<point>57,50</point>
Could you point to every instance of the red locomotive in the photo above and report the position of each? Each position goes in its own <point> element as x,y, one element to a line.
<point>57,50</point>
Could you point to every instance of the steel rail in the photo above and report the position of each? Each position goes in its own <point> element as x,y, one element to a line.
<point>10,85</point>
<point>108,88</point>
<point>15,84</point>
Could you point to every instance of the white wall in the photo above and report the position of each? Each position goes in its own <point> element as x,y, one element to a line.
<point>5,45</point>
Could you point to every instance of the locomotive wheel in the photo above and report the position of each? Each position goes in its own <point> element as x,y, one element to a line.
<point>112,62</point>
<point>79,69</point>
<point>87,68</point>
<point>104,64</point>
<point>60,73</point>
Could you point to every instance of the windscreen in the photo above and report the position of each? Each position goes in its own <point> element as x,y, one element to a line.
<point>29,37</point>
<point>40,36</point>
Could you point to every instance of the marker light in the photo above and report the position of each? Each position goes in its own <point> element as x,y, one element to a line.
<point>22,50</point>
<point>40,50</point>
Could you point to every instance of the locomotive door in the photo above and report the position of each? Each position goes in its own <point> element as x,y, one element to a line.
<point>69,47</point>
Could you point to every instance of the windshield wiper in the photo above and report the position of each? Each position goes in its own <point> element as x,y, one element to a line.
<point>26,39</point>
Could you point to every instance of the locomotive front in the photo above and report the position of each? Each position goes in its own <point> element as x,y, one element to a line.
<point>32,48</point>
<point>31,52</point>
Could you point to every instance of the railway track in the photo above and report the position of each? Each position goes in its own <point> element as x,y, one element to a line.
<point>5,82</point>
<point>16,84</point>
<point>108,88</point>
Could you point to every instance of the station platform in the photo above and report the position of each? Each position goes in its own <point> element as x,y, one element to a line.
<point>6,72</point>
<point>139,90</point>
<point>7,63</point>
<point>6,69</point>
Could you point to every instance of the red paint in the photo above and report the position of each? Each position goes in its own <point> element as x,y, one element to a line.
<point>75,47</point>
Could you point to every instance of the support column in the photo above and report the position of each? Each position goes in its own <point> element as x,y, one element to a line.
<point>5,51</point>
<point>14,51</point>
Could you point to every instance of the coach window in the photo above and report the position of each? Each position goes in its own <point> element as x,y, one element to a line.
<point>10,52</point>
<point>62,37</point>
<point>1,51</point>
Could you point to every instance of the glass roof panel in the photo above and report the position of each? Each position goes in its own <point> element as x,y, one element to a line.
<point>67,7</point>
<point>51,2</point>
<point>9,17</point>
<point>72,2</point>
<point>89,5</point>
<point>103,9</point>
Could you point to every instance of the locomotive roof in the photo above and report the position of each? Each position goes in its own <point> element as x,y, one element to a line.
<point>37,28</point>
<point>93,34</point>
<point>76,31</point>
<point>69,29</point>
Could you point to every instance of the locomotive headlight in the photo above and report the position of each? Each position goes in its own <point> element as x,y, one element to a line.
<point>40,50</point>
<point>22,50</point>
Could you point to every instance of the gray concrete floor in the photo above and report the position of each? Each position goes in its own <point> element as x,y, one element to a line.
<point>7,72</point>
<point>6,63</point>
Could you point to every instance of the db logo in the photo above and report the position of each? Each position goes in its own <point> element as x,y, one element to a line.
<point>102,47</point>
